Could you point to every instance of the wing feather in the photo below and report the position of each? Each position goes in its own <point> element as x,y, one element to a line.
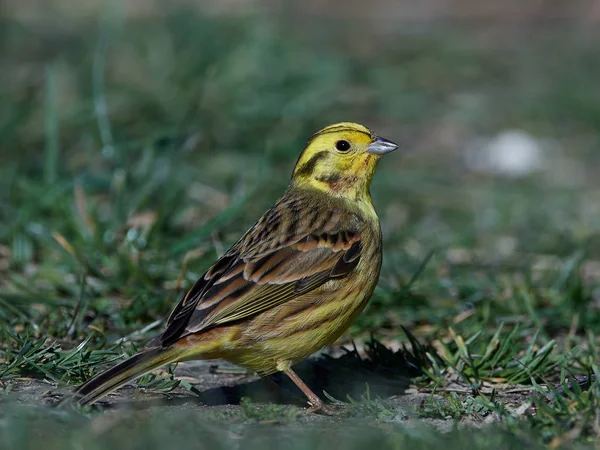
<point>288,253</point>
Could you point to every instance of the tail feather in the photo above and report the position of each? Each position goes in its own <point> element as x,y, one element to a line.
<point>130,369</point>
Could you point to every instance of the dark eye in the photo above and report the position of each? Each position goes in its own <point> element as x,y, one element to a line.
<point>342,146</point>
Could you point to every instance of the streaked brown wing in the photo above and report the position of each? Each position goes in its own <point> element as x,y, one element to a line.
<point>258,274</point>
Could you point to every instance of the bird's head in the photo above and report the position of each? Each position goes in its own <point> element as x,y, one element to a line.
<point>341,159</point>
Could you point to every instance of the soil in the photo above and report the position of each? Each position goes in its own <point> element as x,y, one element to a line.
<point>218,388</point>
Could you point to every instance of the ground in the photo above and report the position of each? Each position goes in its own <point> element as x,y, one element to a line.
<point>134,152</point>
<point>220,396</point>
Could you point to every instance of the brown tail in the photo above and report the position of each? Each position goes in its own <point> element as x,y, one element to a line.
<point>122,373</point>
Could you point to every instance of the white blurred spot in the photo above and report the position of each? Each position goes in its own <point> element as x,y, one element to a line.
<point>512,153</point>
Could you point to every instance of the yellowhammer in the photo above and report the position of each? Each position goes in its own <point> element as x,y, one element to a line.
<point>292,284</point>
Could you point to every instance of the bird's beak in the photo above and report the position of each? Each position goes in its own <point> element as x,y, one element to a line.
<point>381,146</point>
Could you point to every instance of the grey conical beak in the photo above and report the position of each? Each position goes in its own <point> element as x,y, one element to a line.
<point>381,146</point>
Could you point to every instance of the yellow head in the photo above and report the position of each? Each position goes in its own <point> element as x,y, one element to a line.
<point>341,159</point>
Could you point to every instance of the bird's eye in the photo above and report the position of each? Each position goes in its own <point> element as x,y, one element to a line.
<point>342,146</point>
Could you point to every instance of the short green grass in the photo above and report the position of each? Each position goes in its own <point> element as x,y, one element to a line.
<point>132,154</point>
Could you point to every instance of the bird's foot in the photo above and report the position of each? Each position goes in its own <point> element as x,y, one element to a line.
<point>320,408</point>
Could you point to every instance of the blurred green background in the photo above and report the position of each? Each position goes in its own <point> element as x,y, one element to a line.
<point>140,137</point>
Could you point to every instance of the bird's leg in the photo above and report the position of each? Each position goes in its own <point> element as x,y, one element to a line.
<point>316,403</point>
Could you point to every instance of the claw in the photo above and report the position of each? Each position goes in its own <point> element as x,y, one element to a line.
<point>320,408</point>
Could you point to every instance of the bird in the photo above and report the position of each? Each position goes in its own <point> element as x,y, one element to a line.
<point>292,284</point>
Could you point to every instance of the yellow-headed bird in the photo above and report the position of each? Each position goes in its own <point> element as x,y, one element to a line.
<point>292,284</point>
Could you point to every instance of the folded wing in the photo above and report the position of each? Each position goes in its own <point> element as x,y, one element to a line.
<point>279,259</point>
